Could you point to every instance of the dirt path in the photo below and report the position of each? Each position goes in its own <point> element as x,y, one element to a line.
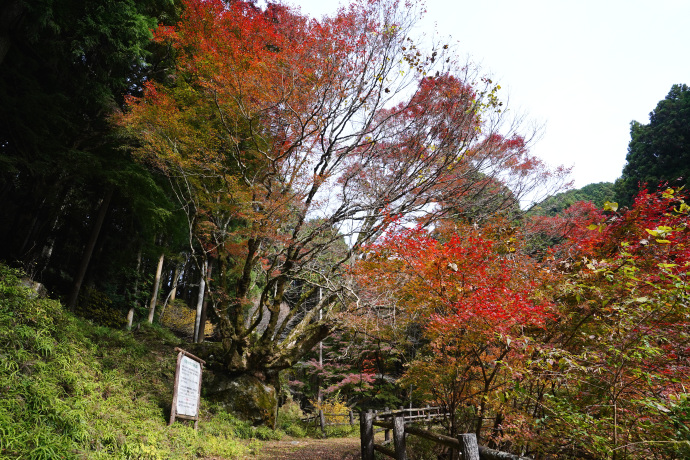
<point>309,449</point>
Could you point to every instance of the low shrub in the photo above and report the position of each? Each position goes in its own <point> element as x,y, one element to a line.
<point>266,434</point>
<point>295,430</point>
<point>290,419</point>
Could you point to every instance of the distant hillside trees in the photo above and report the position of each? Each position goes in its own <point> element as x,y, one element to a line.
<point>598,194</point>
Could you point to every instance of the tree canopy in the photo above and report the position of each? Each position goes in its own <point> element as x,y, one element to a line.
<point>285,135</point>
<point>64,68</point>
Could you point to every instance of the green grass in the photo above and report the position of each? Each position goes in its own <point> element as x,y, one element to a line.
<point>73,390</point>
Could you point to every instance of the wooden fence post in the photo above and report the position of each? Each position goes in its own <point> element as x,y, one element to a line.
<point>399,438</point>
<point>468,446</point>
<point>366,434</point>
<point>322,421</point>
<point>352,418</point>
<point>387,433</point>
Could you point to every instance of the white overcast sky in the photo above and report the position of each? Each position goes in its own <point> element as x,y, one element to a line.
<point>584,68</point>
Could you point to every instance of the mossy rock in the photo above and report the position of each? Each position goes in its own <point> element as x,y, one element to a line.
<point>247,397</point>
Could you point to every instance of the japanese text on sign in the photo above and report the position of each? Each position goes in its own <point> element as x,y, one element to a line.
<point>188,387</point>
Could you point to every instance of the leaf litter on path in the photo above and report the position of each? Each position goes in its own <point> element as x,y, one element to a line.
<point>309,449</point>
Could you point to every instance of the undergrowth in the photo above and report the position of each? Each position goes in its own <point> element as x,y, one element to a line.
<point>70,389</point>
<point>73,390</point>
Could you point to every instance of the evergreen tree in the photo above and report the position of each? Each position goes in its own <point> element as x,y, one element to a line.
<point>65,67</point>
<point>660,150</point>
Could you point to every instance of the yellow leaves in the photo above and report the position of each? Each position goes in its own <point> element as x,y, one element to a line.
<point>668,193</point>
<point>610,206</point>
<point>661,232</point>
<point>333,406</point>
<point>683,209</point>
<point>666,266</point>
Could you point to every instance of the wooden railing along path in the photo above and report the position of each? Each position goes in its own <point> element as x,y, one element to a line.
<point>422,414</point>
<point>322,418</point>
<point>465,444</point>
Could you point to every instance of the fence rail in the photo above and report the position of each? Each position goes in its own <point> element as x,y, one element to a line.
<point>323,419</point>
<point>420,414</point>
<point>465,444</point>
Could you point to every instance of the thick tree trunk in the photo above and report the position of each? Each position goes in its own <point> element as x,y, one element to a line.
<point>247,396</point>
<point>88,251</point>
<point>156,284</point>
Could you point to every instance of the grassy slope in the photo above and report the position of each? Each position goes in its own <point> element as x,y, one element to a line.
<point>69,389</point>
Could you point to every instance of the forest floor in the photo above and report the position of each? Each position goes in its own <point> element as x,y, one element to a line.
<point>309,449</point>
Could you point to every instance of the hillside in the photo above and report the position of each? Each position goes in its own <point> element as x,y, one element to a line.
<point>70,389</point>
<point>598,194</point>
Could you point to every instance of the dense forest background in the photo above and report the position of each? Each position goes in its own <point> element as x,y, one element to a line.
<point>331,211</point>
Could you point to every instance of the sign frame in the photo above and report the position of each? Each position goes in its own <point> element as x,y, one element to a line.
<point>173,409</point>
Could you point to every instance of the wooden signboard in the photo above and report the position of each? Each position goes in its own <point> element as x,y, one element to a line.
<point>187,390</point>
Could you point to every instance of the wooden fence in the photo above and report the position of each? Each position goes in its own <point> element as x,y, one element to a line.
<point>323,419</point>
<point>423,414</point>
<point>465,444</point>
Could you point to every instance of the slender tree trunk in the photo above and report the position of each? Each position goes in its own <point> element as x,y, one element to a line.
<point>130,314</point>
<point>204,310</point>
<point>49,241</point>
<point>320,394</point>
<point>88,251</point>
<point>4,47</point>
<point>202,320</point>
<point>130,318</point>
<point>173,291</point>
<point>10,15</point>
<point>156,284</point>
<point>200,301</point>
<point>31,228</point>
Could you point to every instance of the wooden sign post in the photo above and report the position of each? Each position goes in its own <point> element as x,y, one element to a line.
<point>187,390</point>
